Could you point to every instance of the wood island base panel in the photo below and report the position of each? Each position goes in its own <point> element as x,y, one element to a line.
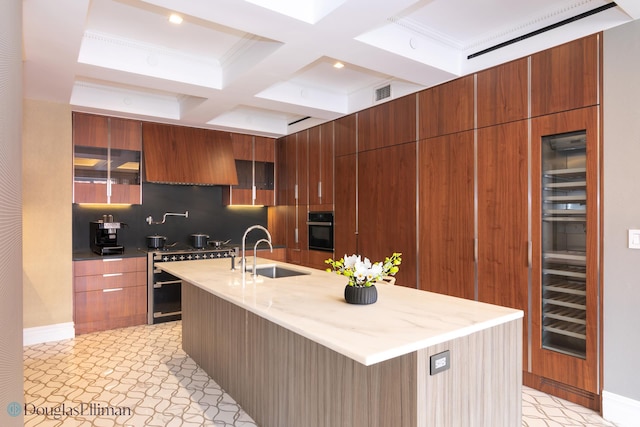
<point>282,378</point>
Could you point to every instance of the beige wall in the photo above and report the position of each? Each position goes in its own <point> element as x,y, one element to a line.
<point>47,197</point>
<point>11,370</point>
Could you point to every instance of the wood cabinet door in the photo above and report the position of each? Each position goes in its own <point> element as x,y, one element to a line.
<point>503,211</point>
<point>446,263</point>
<point>242,146</point>
<point>393,122</point>
<point>315,159</point>
<point>387,207</point>
<point>264,149</point>
<point>447,108</point>
<point>564,368</point>
<point>326,164</point>
<point>502,93</point>
<point>320,169</point>
<point>125,134</point>
<point>90,130</point>
<point>346,139</point>
<point>344,217</point>
<point>565,77</point>
<point>282,171</point>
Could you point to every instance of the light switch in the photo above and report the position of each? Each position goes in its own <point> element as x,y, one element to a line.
<point>634,239</point>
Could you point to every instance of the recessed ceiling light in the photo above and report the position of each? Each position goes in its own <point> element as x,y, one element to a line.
<point>338,65</point>
<point>175,18</point>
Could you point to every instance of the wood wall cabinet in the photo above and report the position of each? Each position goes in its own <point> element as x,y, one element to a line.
<point>502,95</point>
<point>109,293</point>
<point>320,168</point>
<point>446,221</point>
<point>447,108</point>
<point>391,123</point>
<point>566,77</point>
<point>106,159</point>
<point>386,207</point>
<point>255,167</point>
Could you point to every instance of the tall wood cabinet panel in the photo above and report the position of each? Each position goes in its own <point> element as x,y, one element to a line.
<point>446,227</point>
<point>302,154</point>
<point>345,230</point>
<point>345,222</point>
<point>386,214</point>
<point>321,167</point>
<point>393,122</point>
<point>565,77</point>
<point>565,281</point>
<point>447,108</point>
<point>502,203</point>
<point>502,93</point>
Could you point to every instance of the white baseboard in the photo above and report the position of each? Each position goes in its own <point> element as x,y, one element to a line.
<point>620,410</point>
<point>48,333</point>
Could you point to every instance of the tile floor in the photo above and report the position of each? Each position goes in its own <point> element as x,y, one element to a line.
<point>140,376</point>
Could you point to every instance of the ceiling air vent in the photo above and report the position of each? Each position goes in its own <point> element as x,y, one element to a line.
<point>383,92</point>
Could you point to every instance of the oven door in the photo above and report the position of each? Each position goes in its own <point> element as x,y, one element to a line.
<point>320,226</point>
<point>167,298</point>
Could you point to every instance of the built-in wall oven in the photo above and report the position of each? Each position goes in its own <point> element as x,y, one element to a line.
<point>320,231</point>
<point>164,297</point>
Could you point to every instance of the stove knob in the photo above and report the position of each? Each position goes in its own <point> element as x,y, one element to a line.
<point>173,258</point>
<point>165,258</point>
<point>181,257</point>
<point>189,257</point>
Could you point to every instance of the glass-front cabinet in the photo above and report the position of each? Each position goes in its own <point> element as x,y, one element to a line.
<point>566,237</point>
<point>106,159</point>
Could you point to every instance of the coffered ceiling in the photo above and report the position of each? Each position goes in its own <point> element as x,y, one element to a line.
<point>266,67</point>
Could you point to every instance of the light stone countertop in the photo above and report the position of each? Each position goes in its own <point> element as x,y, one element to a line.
<point>403,320</point>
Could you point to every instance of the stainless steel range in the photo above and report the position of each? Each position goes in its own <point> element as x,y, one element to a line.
<point>164,298</point>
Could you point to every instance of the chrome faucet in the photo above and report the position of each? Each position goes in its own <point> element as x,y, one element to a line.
<point>243,260</point>
<point>255,254</point>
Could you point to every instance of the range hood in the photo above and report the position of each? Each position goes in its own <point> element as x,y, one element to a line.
<point>185,155</point>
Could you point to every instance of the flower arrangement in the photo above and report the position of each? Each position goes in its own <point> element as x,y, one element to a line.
<point>363,273</point>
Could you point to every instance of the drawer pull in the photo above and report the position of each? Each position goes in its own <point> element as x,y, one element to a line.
<point>161,314</point>
<point>112,290</point>
<point>111,274</point>
<point>168,282</point>
<point>111,259</point>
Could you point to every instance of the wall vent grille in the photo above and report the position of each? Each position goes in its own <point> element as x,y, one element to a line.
<point>383,92</point>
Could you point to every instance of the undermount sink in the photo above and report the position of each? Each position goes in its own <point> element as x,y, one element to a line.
<point>275,271</point>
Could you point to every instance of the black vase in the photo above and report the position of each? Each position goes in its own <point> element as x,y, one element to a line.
<point>360,294</point>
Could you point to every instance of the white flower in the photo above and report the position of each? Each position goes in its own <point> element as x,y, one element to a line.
<point>351,261</point>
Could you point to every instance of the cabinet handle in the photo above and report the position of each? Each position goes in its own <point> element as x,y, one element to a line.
<point>529,254</point>
<point>253,193</point>
<point>111,290</point>
<point>111,274</point>
<point>295,192</point>
<point>320,189</point>
<point>475,250</point>
<point>111,259</point>
<point>296,235</point>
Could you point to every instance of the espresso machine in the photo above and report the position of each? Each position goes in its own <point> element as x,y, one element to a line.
<point>103,235</point>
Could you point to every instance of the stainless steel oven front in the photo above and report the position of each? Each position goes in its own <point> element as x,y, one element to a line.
<point>320,226</point>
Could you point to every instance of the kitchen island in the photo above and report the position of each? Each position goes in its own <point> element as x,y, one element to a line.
<point>293,353</point>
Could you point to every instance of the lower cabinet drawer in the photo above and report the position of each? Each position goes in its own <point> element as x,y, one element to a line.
<point>110,308</point>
